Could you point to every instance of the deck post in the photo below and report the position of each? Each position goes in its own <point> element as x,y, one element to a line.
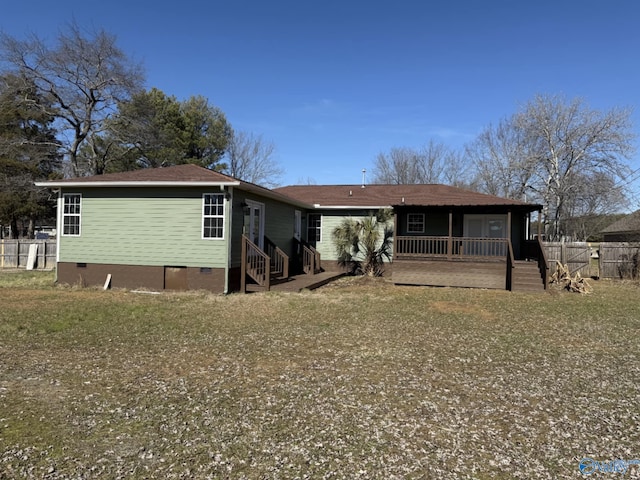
<point>243,267</point>
<point>509,224</point>
<point>539,223</point>
<point>450,240</point>
<point>395,233</point>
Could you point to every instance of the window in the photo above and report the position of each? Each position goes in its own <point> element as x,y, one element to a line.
<point>213,215</point>
<point>415,223</point>
<point>71,214</point>
<point>314,229</point>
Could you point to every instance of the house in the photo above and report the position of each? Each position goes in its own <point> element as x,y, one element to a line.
<point>178,227</point>
<point>186,227</point>
<point>443,235</point>
<point>627,229</point>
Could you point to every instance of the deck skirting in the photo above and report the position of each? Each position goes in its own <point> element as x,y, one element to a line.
<point>442,273</point>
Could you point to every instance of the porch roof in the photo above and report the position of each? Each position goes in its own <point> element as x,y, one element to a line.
<point>384,196</point>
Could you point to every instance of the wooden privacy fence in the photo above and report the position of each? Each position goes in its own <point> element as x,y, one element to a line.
<point>15,253</point>
<point>575,255</point>
<point>619,260</point>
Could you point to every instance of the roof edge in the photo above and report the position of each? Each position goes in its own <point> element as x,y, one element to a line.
<point>152,183</point>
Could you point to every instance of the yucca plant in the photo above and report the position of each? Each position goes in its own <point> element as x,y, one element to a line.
<point>363,245</point>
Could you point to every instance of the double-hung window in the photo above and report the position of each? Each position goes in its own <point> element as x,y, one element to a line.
<point>415,223</point>
<point>71,203</point>
<point>213,215</point>
<point>314,228</point>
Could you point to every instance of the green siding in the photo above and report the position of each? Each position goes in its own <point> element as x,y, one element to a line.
<point>279,222</point>
<point>144,226</point>
<point>330,220</point>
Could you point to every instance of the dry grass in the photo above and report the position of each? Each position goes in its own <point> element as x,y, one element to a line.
<point>356,380</point>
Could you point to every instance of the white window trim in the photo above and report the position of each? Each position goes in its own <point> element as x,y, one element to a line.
<point>423,223</point>
<point>309,223</point>
<point>64,215</point>
<point>297,224</point>
<point>204,217</point>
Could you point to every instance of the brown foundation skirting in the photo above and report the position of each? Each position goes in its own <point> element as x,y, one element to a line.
<point>146,277</point>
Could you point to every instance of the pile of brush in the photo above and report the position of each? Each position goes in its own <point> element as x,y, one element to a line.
<point>573,283</point>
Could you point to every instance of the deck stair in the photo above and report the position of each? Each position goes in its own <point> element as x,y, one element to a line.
<point>269,268</point>
<point>526,277</point>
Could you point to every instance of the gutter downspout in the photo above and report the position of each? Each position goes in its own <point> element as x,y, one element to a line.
<point>450,239</point>
<point>59,227</point>
<point>229,229</point>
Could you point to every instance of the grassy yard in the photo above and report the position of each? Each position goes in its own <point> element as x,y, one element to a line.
<point>355,380</point>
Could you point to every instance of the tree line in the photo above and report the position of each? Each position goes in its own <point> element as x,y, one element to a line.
<point>562,154</point>
<point>78,107</point>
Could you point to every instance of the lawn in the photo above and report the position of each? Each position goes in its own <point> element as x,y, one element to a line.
<point>354,380</point>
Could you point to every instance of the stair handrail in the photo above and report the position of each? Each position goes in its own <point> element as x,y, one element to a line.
<point>256,264</point>
<point>543,263</point>
<point>311,260</point>
<point>278,259</point>
<point>511,264</point>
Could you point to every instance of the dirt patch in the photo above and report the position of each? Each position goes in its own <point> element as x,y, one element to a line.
<point>460,308</point>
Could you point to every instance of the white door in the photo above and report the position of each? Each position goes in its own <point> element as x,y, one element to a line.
<point>297,225</point>
<point>474,226</point>
<point>254,223</point>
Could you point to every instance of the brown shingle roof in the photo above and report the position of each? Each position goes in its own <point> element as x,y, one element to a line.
<point>330,196</point>
<point>374,195</point>
<point>177,173</point>
<point>628,224</point>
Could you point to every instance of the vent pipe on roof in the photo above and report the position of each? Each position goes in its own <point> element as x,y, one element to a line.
<point>364,177</point>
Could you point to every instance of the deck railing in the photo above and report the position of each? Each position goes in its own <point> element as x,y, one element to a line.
<point>412,247</point>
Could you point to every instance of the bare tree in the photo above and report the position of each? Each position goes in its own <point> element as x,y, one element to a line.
<point>251,158</point>
<point>555,152</point>
<point>571,142</point>
<point>504,166</point>
<point>433,163</point>
<point>596,197</point>
<point>85,76</point>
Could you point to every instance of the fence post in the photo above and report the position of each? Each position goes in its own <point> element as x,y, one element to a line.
<point>600,262</point>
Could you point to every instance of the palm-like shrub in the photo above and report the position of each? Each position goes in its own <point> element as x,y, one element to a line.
<point>363,245</point>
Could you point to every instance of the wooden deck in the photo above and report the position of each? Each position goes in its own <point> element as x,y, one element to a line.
<point>297,283</point>
<point>443,273</point>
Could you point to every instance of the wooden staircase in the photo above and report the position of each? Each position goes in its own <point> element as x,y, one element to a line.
<point>263,269</point>
<point>526,277</point>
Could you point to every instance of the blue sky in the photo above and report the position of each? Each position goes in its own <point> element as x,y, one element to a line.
<point>334,83</point>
